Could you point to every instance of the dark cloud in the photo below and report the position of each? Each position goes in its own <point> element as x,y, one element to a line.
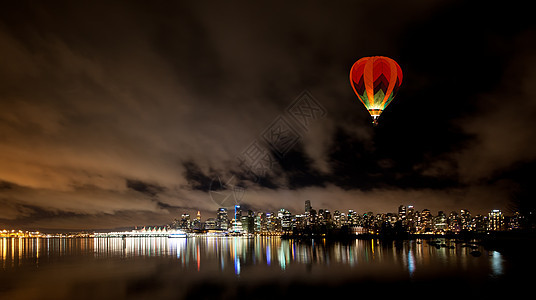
<point>146,188</point>
<point>196,179</point>
<point>299,169</point>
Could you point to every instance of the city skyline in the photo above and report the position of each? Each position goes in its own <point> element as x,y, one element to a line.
<point>413,220</point>
<point>224,217</point>
<point>395,211</point>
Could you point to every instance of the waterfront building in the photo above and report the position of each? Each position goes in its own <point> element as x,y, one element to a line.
<point>337,219</point>
<point>357,230</point>
<point>495,220</point>
<point>285,219</point>
<point>440,223</point>
<point>409,224</point>
<point>424,222</point>
<point>453,221</point>
<point>344,219</point>
<point>237,212</point>
<point>272,223</point>
<point>211,224</point>
<point>222,220</point>
<point>352,217</point>
<point>299,222</point>
<point>236,226</point>
<point>465,220</point>
<point>196,224</point>
<point>248,222</point>
<point>479,223</point>
<point>259,222</point>
<point>185,222</point>
<point>324,217</point>
<point>368,220</point>
<point>391,219</point>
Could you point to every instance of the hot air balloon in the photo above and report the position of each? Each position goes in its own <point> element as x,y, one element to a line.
<point>375,81</point>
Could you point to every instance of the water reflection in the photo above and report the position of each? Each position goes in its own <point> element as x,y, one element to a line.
<point>237,254</point>
<point>411,263</point>
<point>20,252</point>
<point>496,264</point>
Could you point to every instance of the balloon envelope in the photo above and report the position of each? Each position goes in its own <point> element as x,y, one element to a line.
<point>375,81</point>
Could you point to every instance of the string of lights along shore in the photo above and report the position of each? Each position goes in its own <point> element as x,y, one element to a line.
<point>408,220</point>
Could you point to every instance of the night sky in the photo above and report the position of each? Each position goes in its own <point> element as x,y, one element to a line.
<point>116,114</point>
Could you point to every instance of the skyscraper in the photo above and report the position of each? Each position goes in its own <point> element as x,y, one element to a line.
<point>185,222</point>
<point>402,212</point>
<point>284,217</point>
<point>236,222</point>
<point>222,220</point>
<point>440,222</point>
<point>495,220</point>
<point>237,212</point>
<point>308,206</point>
<point>197,221</point>
<point>425,221</point>
<point>465,219</point>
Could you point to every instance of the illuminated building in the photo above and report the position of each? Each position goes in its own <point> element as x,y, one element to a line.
<point>515,222</point>
<point>197,222</point>
<point>272,223</point>
<point>368,220</point>
<point>409,223</point>
<point>440,223</point>
<point>424,222</point>
<point>185,222</point>
<point>236,226</point>
<point>259,222</point>
<point>402,212</point>
<point>236,222</point>
<point>495,220</point>
<point>312,218</point>
<point>478,223</point>
<point>211,224</point>
<point>352,217</point>
<point>237,212</point>
<point>357,230</point>
<point>222,220</point>
<point>344,219</point>
<point>285,218</point>
<point>299,222</point>
<point>391,219</point>
<point>337,219</point>
<point>454,224</point>
<point>410,209</point>
<point>248,222</point>
<point>465,220</point>
<point>324,216</point>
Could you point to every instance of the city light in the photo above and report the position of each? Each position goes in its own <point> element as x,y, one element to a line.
<point>324,222</point>
<point>310,223</point>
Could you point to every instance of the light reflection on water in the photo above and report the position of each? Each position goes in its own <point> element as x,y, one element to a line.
<point>496,264</point>
<point>115,268</point>
<point>194,254</point>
